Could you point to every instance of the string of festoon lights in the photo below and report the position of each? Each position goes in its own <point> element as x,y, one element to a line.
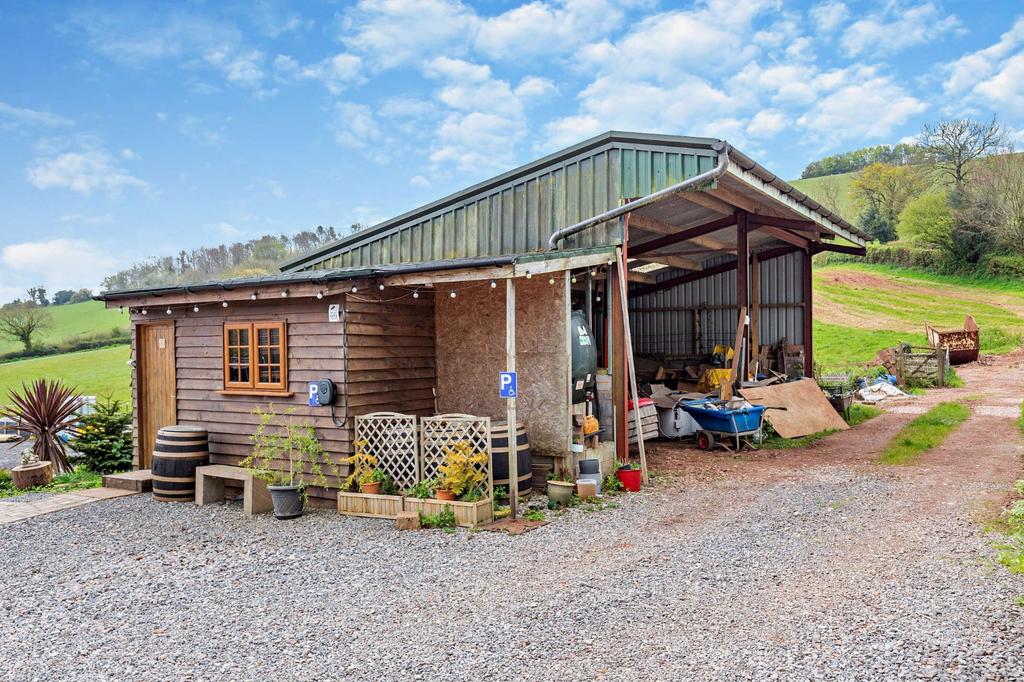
<point>359,293</point>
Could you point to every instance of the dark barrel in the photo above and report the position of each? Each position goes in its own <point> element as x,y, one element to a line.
<point>499,457</point>
<point>178,451</point>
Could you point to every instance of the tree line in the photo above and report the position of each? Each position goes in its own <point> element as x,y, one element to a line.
<point>255,257</point>
<point>895,155</point>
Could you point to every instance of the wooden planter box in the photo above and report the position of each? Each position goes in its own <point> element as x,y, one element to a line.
<point>467,514</point>
<point>376,506</point>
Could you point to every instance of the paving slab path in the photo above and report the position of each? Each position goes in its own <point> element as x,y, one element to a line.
<point>801,564</point>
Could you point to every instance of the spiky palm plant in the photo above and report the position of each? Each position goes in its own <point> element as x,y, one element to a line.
<point>43,410</point>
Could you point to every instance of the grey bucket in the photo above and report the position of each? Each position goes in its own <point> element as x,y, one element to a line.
<point>590,466</point>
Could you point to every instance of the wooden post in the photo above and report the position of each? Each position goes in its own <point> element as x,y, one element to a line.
<point>588,298</point>
<point>940,365</point>
<point>755,310</point>
<point>742,285</point>
<point>616,359</point>
<point>624,302</point>
<point>808,284</point>
<point>510,403</point>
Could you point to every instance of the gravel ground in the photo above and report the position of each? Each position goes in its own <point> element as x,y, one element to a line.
<point>833,573</point>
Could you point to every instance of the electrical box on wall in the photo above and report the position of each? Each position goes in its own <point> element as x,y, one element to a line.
<point>321,393</point>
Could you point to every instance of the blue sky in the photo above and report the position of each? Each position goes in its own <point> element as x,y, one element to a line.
<point>129,131</point>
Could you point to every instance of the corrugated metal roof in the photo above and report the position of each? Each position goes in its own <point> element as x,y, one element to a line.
<point>517,211</point>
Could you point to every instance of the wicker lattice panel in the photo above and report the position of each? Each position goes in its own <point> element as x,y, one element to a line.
<point>391,438</point>
<point>443,431</point>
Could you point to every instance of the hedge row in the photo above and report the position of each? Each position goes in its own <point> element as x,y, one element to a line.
<point>70,346</point>
<point>892,253</point>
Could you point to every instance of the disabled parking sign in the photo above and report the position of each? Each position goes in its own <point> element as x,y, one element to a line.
<point>507,384</point>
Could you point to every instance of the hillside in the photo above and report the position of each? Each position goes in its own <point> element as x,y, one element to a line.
<point>815,188</point>
<point>74,320</point>
<point>861,308</point>
<point>95,372</point>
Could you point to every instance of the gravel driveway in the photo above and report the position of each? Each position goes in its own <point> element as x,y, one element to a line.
<point>688,580</point>
<point>792,565</point>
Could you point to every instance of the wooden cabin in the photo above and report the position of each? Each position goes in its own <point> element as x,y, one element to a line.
<point>410,315</point>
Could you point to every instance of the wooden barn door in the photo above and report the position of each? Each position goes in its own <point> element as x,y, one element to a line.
<point>156,384</point>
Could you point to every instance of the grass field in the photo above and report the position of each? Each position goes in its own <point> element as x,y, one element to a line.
<point>924,433</point>
<point>815,188</point>
<point>75,320</point>
<point>861,308</point>
<point>95,372</point>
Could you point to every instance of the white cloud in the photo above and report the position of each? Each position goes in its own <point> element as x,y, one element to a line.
<point>897,27</point>
<point>396,32</point>
<point>993,73</point>
<point>16,117</point>
<point>766,123</point>
<point>486,117</point>
<point>540,28</point>
<point>356,127</point>
<point>138,36</point>
<point>336,73</point>
<point>227,230</point>
<point>202,129</point>
<point>869,109</point>
<point>420,181</point>
<point>83,171</point>
<point>828,16</point>
<point>59,263</point>
<point>1006,88</point>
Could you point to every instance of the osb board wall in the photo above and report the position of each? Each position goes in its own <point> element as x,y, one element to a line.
<point>315,351</point>
<point>471,353</point>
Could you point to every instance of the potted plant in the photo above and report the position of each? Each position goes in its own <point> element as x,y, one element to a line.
<point>285,455</point>
<point>560,489</point>
<point>460,474</point>
<point>629,477</point>
<point>45,411</point>
<point>377,494</point>
<point>372,481</point>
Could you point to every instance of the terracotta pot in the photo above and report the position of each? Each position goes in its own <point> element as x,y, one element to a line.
<point>370,488</point>
<point>445,495</point>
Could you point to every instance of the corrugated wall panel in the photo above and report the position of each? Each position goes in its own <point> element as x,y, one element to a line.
<point>521,215</point>
<point>666,322</point>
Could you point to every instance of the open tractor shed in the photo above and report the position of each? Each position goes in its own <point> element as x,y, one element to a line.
<point>421,313</point>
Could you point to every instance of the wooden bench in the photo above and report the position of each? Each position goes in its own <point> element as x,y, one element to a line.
<point>210,488</point>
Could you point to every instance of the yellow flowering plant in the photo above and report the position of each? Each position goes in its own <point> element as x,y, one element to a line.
<point>461,472</point>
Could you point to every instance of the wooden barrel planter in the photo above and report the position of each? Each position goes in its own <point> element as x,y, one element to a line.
<point>178,451</point>
<point>499,457</point>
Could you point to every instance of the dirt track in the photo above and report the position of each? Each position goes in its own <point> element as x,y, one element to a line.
<point>977,465</point>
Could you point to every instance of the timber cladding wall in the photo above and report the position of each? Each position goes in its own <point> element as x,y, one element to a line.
<point>471,352</point>
<point>391,367</point>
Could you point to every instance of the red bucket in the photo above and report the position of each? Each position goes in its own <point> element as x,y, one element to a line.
<point>630,479</point>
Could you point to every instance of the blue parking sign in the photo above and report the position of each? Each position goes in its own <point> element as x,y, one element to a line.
<point>507,384</point>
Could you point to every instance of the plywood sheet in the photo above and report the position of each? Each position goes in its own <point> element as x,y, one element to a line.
<point>797,408</point>
<point>471,352</point>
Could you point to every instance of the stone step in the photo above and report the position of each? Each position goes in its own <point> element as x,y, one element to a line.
<point>139,481</point>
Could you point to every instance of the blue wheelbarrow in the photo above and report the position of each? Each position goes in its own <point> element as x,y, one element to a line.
<point>728,428</point>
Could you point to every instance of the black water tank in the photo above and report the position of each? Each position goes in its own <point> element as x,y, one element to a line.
<point>584,357</point>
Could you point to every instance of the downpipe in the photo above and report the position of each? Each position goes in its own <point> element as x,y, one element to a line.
<point>722,147</point>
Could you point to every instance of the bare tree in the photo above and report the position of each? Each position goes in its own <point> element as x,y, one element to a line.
<point>952,145</point>
<point>829,194</point>
<point>23,322</point>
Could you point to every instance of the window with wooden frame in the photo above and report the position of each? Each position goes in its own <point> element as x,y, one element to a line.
<point>255,357</point>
